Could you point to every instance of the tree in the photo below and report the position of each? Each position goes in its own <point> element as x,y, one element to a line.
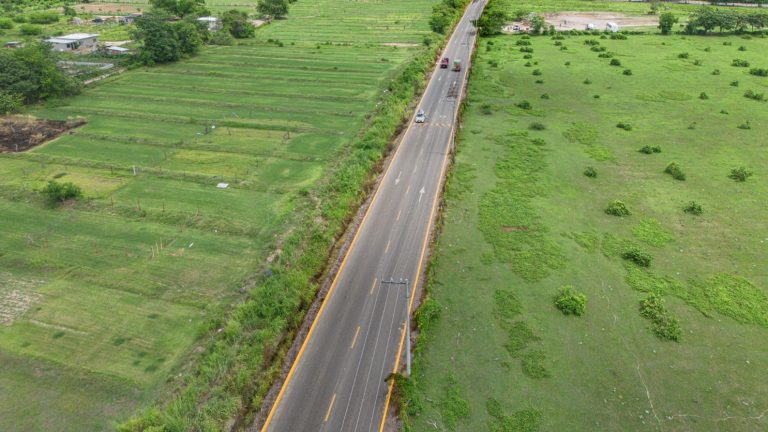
<point>181,8</point>
<point>666,21</point>
<point>60,192</point>
<point>538,24</point>
<point>273,8</point>
<point>237,24</point>
<point>491,21</point>
<point>160,44</point>
<point>32,73</point>
<point>190,36</point>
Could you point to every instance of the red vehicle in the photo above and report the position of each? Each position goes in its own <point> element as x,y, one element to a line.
<point>444,63</point>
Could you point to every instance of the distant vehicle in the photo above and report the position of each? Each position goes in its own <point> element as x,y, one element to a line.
<point>456,65</point>
<point>421,117</point>
<point>444,63</point>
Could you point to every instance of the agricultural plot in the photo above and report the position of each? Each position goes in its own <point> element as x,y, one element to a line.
<point>103,300</point>
<point>555,131</point>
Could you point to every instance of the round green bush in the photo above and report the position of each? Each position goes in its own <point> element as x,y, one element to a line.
<point>570,301</point>
<point>617,208</point>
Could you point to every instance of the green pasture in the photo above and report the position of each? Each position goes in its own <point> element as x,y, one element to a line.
<point>104,300</point>
<point>523,220</point>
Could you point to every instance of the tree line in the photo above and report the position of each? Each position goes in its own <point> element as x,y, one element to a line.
<point>707,19</point>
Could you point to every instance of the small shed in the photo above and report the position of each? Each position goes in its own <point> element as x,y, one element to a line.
<point>116,50</point>
<point>213,23</point>
<point>75,42</point>
<point>612,27</point>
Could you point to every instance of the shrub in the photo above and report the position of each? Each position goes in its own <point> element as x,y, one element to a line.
<point>528,56</point>
<point>734,83</point>
<point>739,63</point>
<point>683,55</point>
<point>615,62</point>
<point>59,192</point>
<point>637,256</point>
<point>558,43</point>
<point>716,72</point>
<point>665,325</point>
<point>740,174</point>
<point>528,64</point>
<point>493,63</point>
<point>626,126</point>
<point>703,96</point>
<point>675,171</point>
<point>598,48</point>
<point>545,96</point>
<point>523,42</point>
<point>536,72</point>
<point>762,72</point>
<point>606,55</point>
<point>221,38</point>
<point>30,29</point>
<point>570,301</point>
<point>745,125</point>
<point>537,126</point>
<point>617,208</point>
<point>693,208</point>
<point>486,109</point>
<point>590,172</point>
<point>524,104</point>
<point>539,81</point>
<point>592,42</point>
<point>526,49</point>
<point>587,81</point>
<point>6,23</point>
<point>650,149</point>
<point>567,63</point>
<point>618,36</point>
<point>43,17</point>
<point>627,72</point>
<point>698,62</point>
<point>727,43</point>
<point>742,48</point>
<point>749,94</point>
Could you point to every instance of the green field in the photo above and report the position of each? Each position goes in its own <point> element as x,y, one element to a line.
<point>523,220</point>
<point>103,301</point>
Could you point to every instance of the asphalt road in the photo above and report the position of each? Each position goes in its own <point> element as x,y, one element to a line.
<point>338,380</point>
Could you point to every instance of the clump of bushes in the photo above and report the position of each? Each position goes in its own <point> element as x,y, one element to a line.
<point>606,55</point>
<point>665,325</point>
<point>537,126</point>
<point>703,96</point>
<point>615,62</point>
<point>592,42</point>
<point>587,81</point>
<point>539,81</point>
<point>716,72</point>
<point>647,149</point>
<point>523,42</point>
<point>698,62</point>
<point>734,83</point>
<point>545,96</point>
<point>486,109</point>
<point>624,125</point>
<point>683,55</point>
<point>590,172</point>
<point>59,192</point>
<point>637,256</point>
<point>739,63</point>
<point>762,72</point>
<point>617,208</point>
<point>524,104</point>
<point>536,72</point>
<point>43,17</point>
<point>526,49</point>
<point>740,174</point>
<point>693,208</point>
<point>30,30</point>
<point>675,171</point>
<point>570,301</point>
<point>745,125</point>
<point>627,72</point>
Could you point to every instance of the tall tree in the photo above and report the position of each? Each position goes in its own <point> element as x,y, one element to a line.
<point>666,21</point>
<point>237,24</point>
<point>273,8</point>
<point>160,43</point>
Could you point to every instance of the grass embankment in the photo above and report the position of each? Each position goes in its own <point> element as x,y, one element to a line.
<point>672,335</point>
<point>124,293</point>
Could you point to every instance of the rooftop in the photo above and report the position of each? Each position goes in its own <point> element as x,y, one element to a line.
<point>207,18</point>
<point>72,37</point>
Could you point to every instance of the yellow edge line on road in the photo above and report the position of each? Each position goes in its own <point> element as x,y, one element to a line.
<point>339,272</point>
<point>423,251</point>
<point>354,339</point>
<point>330,407</point>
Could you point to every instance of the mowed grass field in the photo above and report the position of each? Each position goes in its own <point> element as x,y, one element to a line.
<point>102,301</point>
<point>522,221</point>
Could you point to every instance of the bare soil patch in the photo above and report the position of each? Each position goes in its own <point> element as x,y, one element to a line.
<point>19,133</point>
<point>580,20</point>
<point>106,8</point>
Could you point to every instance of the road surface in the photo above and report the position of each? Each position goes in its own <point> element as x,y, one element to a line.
<point>337,382</point>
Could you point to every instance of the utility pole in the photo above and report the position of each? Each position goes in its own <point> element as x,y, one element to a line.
<point>407,329</point>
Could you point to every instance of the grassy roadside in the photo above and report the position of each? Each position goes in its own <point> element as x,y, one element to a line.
<point>523,220</point>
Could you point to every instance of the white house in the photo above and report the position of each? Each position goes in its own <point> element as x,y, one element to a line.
<point>213,23</point>
<point>612,27</point>
<point>79,42</point>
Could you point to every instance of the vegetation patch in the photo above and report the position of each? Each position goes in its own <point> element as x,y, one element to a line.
<point>663,323</point>
<point>651,231</point>
<point>570,301</point>
<point>453,407</point>
<point>617,208</point>
<point>638,256</point>
<point>527,420</point>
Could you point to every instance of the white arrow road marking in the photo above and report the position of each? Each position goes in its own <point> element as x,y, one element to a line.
<point>421,193</point>
<point>397,180</point>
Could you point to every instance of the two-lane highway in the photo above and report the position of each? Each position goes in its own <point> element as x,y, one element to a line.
<point>337,382</point>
